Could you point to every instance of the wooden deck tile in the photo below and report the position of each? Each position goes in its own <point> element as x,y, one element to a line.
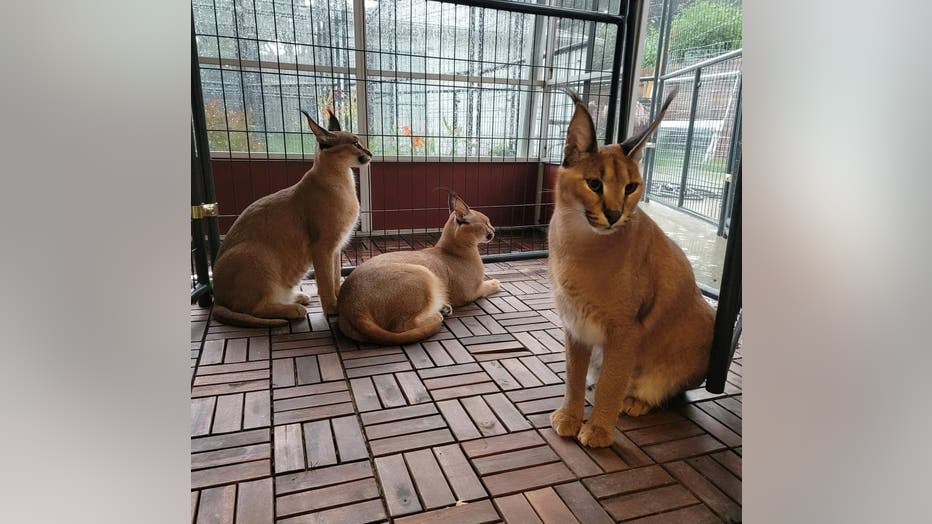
<point>300,424</point>
<point>643,503</point>
<point>584,507</point>
<point>707,491</point>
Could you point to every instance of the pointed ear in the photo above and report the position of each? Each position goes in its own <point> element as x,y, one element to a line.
<point>332,123</point>
<point>322,134</point>
<point>457,205</point>
<point>634,146</point>
<point>580,136</point>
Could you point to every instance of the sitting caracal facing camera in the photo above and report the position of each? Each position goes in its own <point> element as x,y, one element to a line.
<point>277,238</point>
<point>621,286</point>
<point>401,297</point>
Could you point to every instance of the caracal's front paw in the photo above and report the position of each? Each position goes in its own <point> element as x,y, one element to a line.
<point>564,424</point>
<point>492,286</point>
<point>635,407</point>
<point>302,298</point>
<point>446,310</point>
<point>596,436</point>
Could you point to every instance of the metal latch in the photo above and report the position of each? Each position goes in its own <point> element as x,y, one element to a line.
<point>727,178</point>
<point>205,210</point>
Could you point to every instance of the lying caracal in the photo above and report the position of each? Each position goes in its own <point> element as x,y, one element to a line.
<point>620,286</point>
<point>401,297</point>
<point>274,241</point>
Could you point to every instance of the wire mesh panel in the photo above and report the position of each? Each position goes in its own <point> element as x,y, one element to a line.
<point>444,95</point>
<point>693,45</point>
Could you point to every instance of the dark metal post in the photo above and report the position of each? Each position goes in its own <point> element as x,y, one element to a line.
<point>729,302</point>
<point>617,62</point>
<point>634,10</point>
<point>203,147</point>
<point>689,136</point>
<point>590,51</point>
<point>733,156</point>
<point>201,291</point>
<point>660,66</point>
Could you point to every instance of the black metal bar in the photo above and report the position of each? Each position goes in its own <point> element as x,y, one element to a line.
<point>729,304</point>
<point>590,51</point>
<point>617,61</point>
<point>728,190</point>
<point>543,10</point>
<point>634,12</point>
<point>689,137</point>
<point>657,89</point>
<point>701,65</point>
<point>203,147</point>
<point>198,241</point>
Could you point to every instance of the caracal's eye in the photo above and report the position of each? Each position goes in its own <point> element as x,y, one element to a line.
<point>631,188</point>
<point>594,184</point>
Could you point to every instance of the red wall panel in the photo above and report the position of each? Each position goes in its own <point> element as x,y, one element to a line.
<point>404,194</point>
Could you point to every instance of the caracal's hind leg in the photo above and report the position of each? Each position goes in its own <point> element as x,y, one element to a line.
<point>635,407</point>
<point>302,298</point>
<point>489,287</point>
<point>273,310</point>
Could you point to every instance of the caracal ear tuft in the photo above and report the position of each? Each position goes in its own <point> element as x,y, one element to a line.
<point>634,146</point>
<point>580,136</point>
<point>322,134</point>
<point>457,205</point>
<point>333,123</point>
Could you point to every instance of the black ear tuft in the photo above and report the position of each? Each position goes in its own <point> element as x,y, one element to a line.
<point>322,134</point>
<point>457,205</point>
<point>333,123</point>
<point>634,146</point>
<point>580,135</point>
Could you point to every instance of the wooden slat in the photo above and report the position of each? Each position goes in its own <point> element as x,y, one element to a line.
<point>254,502</point>
<point>529,478</point>
<point>460,475</point>
<point>351,444</point>
<point>642,503</point>
<point>516,508</point>
<point>217,505</point>
<point>550,507</point>
<point>510,442</point>
<point>319,445</point>
<point>481,512</point>
<point>328,497</point>
<point>289,448</point>
<point>429,479</point>
<point>400,494</point>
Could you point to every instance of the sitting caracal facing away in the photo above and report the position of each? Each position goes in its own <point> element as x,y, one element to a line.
<point>277,238</point>
<point>621,286</point>
<point>401,297</point>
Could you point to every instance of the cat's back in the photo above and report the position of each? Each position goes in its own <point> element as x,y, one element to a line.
<point>263,220</point>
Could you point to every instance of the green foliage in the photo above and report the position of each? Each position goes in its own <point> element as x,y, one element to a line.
<point>700,29</point>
